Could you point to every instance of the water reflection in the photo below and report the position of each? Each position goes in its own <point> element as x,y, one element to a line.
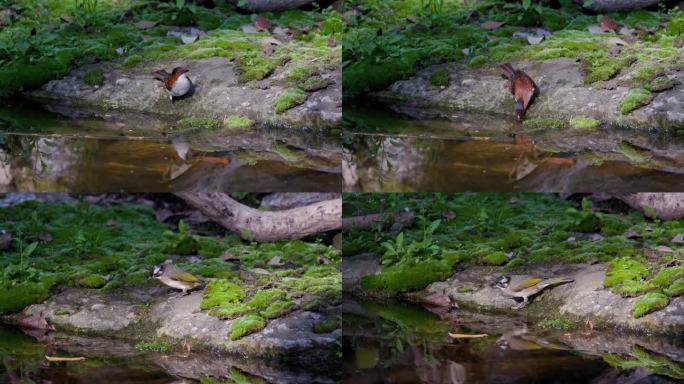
<point>56,163</point>
<point>402,343</point>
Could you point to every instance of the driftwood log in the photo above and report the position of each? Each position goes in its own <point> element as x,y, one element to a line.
<point>255,225</point>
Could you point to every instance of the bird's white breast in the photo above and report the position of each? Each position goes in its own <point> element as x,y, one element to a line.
<point>181,86</point>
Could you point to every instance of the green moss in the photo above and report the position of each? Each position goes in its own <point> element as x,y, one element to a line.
<point>62,312</point>
<point>598,67</point>
<point>516,262</point>
<point>675,289</point>
<point>91,281</point>
<point>631,288</point>
<point>439,78</point>
<point>584,122</point>
<point>154,346</point>
<point>327,325</point>
<point>315,305</point>
<point>288,99</point>
<point>405,277</point>
<point>286,153</point>
<point>220,292</point>
<point>667,276</point>
<point>196,123</point>
<point>133,59</point>
<point>552,53</point>
<point>255,66</point>
<point>633,154</point>
<point>94,77</point>
<point>640,357</point>
<point>477,61</point>
<point>645,73</point>
<point>17,297</point>
<point>277,309</point>
<point>624,269</point>
<point>138,277</point>
<point>648,303</point>
<point>465,289</point>
<point>636,98</point>
<point>300,73</point>
<point>262,299</point>
<point>561,324</point>
<point>314,83</point>
<point>237,122</point>
<point>660,83</point>
<point>495,258</point>
<point>246,325</point>
<point>543,123</point>
<point>231,310</point>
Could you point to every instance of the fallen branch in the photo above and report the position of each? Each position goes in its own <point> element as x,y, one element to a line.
<point>55,359</point>
<point>255,225</point>
<point>404,219</point>
<point>467,336</point>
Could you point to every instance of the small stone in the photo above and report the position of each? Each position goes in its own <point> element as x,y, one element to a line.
<point>97,307</point>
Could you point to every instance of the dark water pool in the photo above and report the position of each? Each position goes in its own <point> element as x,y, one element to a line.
<point>404,343</point>
<point>390,152</point>
<point>43,151</point>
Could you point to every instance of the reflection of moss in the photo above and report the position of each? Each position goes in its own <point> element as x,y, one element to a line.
<point>641,357</point>
<point>286,153</point>
<point>239,377</point>
<point>648,303</point>
<point>633,154</point>
<point>407,277</point>
<point>410,317</point>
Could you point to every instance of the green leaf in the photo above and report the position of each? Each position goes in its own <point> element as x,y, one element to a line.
<point>180,4</point>
<point>434,225</point>
<point>29,250</point>
<point>526,4</point>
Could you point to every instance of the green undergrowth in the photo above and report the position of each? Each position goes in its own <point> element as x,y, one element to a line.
<point>64,244</point>
<point>642,357</point>
<point>512,230</point>
<point>44,42</point>
<point>393,39</point>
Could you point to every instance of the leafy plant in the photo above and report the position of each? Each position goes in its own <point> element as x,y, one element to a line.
<point>426,249</point>
<point>182,243</point>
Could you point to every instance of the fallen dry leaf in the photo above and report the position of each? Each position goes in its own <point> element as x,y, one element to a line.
<point>189,39</point>
<point>534,40</point>
<point>664,249</point>
<point>145,24</point>
<point>491,25</point>
<point>596,237</point>
<point>261,23</point>
<point>607,24</point>
<point>260,271</point>
<point>625,31</point>
<point>678,239</point>
<point>616,41</point>
<point>248,28</point>
<point>514,200</point>
<point>571,239</point>
<point>271,40</point>
<point>275,261</point>
<point>5,241</point>
<point>67,19</point>
<point>412,19</point>
<point>594,28</point>
<point>630,234</point>
<point>227,256</point>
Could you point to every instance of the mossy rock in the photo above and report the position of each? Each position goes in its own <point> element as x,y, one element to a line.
<point>439,78</point>
<point>91,281</point>
<point>648,303</point>
<point>561,324</point>
<point>237,122</point>
<point>584,122</point>
<point>667,276</point>
<point>327,325</point>
<point>277,309</point>
<point>495,258</point>
<point>636,98</point>
<point>94,77</point>
<point>246,325</point>
<point>288,99</point>
<point>315,83</point>
<point>661,83</point>
<point>622,270</point>
<point>133,59</point>
<point>160,346</point>
<point>62,312</point>
<point>264,298</point>
<point>193,122</point>
<point>543,123</point>
<point>219,292</point>
<point>675,289</point>
<point>138,277</point>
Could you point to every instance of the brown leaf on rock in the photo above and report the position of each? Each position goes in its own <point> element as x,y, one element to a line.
<point>45,237</point>
<point>67,19</point>
<point>261,23</point>
<point>275,261</point>
<point>491,25</point>
<point>36,322</point>
<point>322,260</point>
<point>5,241</point>
<point>227,256</point>
<point>678,239</point>
<point>146,24</point>
<point>248,28</point>
<point>664,249</point>
<point>630,234</point>
<point>607,24</point>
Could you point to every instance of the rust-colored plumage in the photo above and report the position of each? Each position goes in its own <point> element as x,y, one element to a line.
<point>169,79</point>
<point>523,88</point>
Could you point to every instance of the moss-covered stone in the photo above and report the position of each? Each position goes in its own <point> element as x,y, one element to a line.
<point>648,303</point>
<point>137,277</point>
<point>327,325</point>
<point>661,83</point>
<point>91,281</point>
<point>495,258</point>
<point>636,98</point>
<point>133,59</point>
<point>315,83</point>
<point>17,297</point>
<point>277,309</point>
<point>94,77</point>
<point>562,324</point>
<point>220,292</point>
<point>584,122</point>
<point>160,346</point>
<point>439,78</point>
<point>675,289</point>
<point>193,122</point>
<point>624,269</point>
<point>543,123</point>
<point>246,325</point>
<point>262,299</point>
<point>238,122</point>
<point>62,312</point>
<point>667,276</point>
<point>288,99</point>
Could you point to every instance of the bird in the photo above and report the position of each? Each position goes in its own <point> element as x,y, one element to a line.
<point>523,88</point>
<point>527,288</point>
<point>175,277</point>
<point>177,83</point>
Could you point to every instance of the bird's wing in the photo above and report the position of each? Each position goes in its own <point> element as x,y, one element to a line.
<point>527,283</point>
<point>185,277</point>
<point>161,75</point>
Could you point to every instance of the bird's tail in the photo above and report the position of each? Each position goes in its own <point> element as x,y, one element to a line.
<point>507,71</point>
<point>161,75</point>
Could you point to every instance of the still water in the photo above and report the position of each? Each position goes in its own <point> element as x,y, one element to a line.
<point>387,151</point>
<point>405,343</point>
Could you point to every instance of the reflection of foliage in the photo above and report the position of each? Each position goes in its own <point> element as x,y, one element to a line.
<point>20,355</point>
<point>641,357</point>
